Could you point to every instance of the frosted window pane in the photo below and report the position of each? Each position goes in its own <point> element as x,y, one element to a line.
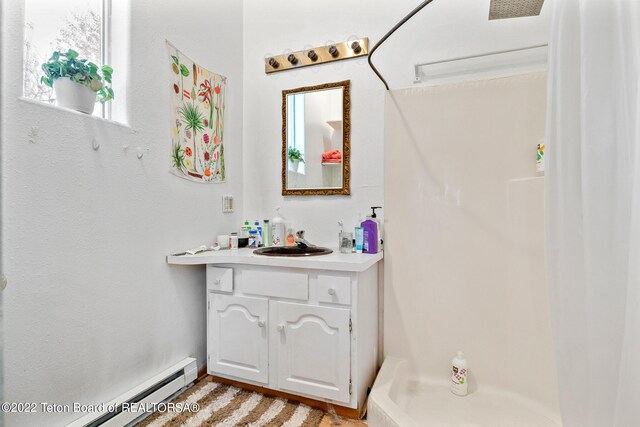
<point>59,25</point>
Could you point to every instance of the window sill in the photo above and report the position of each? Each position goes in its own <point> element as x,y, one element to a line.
<point>89,116</point>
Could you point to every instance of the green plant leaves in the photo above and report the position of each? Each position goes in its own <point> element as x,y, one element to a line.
<point>177,156</point>
<point>82,71</point>
<point>295,154</point>
<point>106,72</point>
<point>192,117</point>
<point>105,94</point>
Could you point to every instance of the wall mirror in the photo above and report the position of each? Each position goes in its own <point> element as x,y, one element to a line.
<point>315,140</point>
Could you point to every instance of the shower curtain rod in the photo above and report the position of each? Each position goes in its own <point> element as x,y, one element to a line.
<point>480,55</point>
<point>401,23</point>
<point>386,36</point>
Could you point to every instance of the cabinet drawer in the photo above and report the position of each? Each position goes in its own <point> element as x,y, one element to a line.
<point>219,279</point>
<point>334,289</point>
<point>282,284</point>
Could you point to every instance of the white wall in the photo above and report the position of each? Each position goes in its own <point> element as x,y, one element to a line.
<point>443,30</point>
<point>92,308</point>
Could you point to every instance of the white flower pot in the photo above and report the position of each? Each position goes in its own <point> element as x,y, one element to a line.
<point>74,96</point>
<point>294,165</point>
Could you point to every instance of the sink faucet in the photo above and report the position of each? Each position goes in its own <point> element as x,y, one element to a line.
<point>301,241</point>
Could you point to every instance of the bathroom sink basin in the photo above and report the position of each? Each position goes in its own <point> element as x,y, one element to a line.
<point>292,251</point>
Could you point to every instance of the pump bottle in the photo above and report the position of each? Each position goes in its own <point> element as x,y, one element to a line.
<point>278,229</point>
<point>370,236</point>
<point>374,217</point>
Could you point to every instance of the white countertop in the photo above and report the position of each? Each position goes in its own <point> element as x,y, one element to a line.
<point>334,261</point>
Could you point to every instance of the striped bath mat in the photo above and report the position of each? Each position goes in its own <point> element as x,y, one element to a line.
<point>227,406</point>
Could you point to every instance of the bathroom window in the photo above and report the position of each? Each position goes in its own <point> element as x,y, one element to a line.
<point>81,25</point>
<point>296,125</point>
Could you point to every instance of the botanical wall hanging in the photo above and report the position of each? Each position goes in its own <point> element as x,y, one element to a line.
<point>197,120</point>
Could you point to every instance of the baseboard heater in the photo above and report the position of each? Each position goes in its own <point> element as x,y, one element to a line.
<point>154,390</point>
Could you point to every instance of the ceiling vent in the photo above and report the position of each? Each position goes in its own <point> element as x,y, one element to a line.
<point>503,9</point>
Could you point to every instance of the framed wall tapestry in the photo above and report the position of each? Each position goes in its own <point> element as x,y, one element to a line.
<point>197,120</point>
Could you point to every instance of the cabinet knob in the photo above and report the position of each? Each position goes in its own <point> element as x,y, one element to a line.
<point>281,328</point>
<point>261,323</point>
<point>331,291</point>
<point>217,281</point>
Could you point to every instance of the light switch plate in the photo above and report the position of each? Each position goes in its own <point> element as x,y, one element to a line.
<point>227,204</point>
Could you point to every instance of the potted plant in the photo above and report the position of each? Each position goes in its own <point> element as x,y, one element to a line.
<point>78,83</point>
<point>295,157</point>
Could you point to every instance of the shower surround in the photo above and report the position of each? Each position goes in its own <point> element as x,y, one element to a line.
<point>464,247</point>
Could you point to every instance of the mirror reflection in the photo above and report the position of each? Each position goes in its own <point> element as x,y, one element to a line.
<point>315,144</point>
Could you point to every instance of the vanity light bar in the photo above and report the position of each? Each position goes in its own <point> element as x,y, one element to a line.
<point>354,48</point>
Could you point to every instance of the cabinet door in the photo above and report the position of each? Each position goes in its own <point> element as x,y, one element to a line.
<point>237,338</point>
<point>313,349</point>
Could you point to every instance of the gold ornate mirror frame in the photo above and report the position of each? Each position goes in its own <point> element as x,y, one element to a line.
<point>346,143</point>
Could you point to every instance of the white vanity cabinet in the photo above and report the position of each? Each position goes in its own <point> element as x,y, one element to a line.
<point>306,327</point>
<point>301,331</point>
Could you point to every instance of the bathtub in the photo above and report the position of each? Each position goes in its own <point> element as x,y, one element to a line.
<point>400,399</point>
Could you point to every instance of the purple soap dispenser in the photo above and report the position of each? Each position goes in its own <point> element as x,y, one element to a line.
<point>370,236</point>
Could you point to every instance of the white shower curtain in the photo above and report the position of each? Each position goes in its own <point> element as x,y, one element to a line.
<point>593,209</point>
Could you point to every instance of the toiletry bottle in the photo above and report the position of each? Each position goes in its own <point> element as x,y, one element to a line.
<point>278,229</point>
<point>266,237</point>
<point>233,241</point>
<point>375,218</point>
<point>258,228</point>
<point>289,235</point>
<point>370,236</point>
<point>459,375</point>
<point>244,230</point>
<point>359,239</point>
<point>345,240</point>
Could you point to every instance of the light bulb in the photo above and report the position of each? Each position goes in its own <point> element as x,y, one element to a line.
<point>310,53</point>
<point>332,49</point>
<point>291,57</point>
<point>271,60</point>
<point>354,44</point>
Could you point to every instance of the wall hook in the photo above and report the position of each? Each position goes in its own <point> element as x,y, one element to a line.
<point>140,153</point>
<point>33,135</point>
<point>95,144</point>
